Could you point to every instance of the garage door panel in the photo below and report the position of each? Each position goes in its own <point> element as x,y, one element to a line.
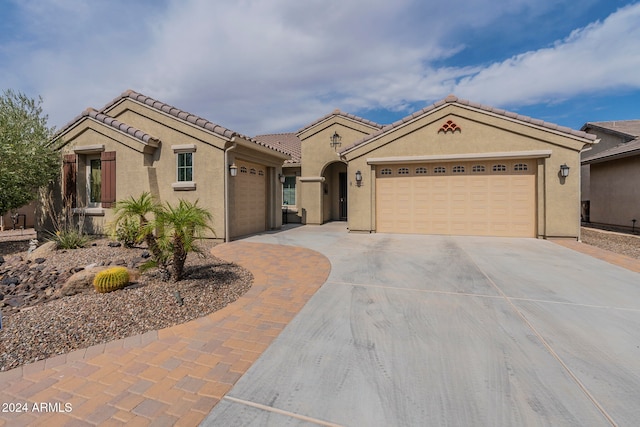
<point>500,203</point>
<point>250,199</point>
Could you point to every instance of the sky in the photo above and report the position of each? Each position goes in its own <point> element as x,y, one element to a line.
<point>270,66</point>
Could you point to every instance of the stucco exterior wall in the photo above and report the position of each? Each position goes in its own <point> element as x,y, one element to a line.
<point>317,155</point>
<point>132,176</point>
<point>558,199</point>
<point>607,141</point>
<point>615,198</point>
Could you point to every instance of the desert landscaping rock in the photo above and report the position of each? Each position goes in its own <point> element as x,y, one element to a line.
<point>40,320</point>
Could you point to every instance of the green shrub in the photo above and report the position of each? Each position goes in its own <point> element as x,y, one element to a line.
<point>70,239</point>
<point>111,279</point>
<point>128,232</point>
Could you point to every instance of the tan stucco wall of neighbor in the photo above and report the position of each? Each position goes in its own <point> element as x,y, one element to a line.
<point>27,218</point>
<point>615,193</point>
<point>318,155</point>
<point>606,141</point>
<point>558,199</point>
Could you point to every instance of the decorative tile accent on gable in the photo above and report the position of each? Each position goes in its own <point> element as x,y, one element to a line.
<point>450,127</point>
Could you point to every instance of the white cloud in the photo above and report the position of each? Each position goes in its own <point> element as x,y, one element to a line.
<point>259,66</point>
<point>600,57</point>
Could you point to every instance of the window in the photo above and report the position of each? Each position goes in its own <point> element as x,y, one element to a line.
<point>478,168</point>
<point>252,171</point>
<point>385,171</point>
<point>439,170</point>
<point>289,191</point>
<point>260,172</point>
<point>185,167</point>
<point>520,167</point>
<point>89,179</point>
<point>243,169</point>
<point>94,182</point>
<point>458,169</point>
<point>421,171</point>
<point>499,168</point>
<point>403,171</point>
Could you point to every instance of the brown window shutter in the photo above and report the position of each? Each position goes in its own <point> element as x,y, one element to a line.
<point>108,176</point>
<point>70,171</point>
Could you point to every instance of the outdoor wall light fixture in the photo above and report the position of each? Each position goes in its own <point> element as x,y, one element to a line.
<point>335,140</point>
<point>282,178</point>
<point>233,169</point>
<point>564,170</point>
<point>358,178</point>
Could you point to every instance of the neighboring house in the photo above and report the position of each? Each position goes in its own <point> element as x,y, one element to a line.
<point>24,217</point>
<point>610,174</point>
<point>136,144</point>
<point>454,167</point>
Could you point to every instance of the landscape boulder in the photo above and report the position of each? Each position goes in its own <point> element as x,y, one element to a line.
<point>42,251</point>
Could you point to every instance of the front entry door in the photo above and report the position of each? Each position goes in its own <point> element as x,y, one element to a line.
<point>343,196</point>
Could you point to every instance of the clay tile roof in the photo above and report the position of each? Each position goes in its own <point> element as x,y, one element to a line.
<point>111,122</point>
<point>289,142</point>
<point>337,112</point>
<point>451,99</point>
<point>183,115</point>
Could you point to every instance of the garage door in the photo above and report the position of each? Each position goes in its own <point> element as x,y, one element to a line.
<point>489,198</point>
<point>250,204</point>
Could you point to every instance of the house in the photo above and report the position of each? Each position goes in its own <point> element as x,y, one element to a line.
<point>454,167</point>
<point>21,218</point>
<point>610,174</point>
<point>136,144</point>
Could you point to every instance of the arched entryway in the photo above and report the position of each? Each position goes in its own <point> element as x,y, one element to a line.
<point>334,192</point>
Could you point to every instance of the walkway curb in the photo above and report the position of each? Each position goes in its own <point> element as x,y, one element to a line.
<point>174,376</point>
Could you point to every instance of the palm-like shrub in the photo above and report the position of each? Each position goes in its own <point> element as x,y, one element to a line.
<point>138,210</point>
<point>182,226</point>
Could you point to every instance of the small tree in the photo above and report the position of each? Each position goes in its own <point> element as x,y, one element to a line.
<point>183,225</point>
<point>26,161</point>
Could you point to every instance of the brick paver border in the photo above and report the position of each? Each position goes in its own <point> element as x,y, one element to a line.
<point>174,376</point>
<point>603,254</point>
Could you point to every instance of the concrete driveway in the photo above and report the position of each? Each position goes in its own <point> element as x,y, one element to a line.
<point>437,330</point>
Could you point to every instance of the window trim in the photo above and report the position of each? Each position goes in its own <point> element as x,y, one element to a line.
<point>184,149</point>
<point>178,167</point>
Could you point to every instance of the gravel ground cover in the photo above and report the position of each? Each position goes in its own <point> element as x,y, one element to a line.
<point>80,321</point>
<point>620,243</point>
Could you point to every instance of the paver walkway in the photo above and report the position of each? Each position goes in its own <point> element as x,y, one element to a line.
<point>174,376</point>
<point>624,261</point>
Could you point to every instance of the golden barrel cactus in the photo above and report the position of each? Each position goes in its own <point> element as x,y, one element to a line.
<point>111,279</point>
